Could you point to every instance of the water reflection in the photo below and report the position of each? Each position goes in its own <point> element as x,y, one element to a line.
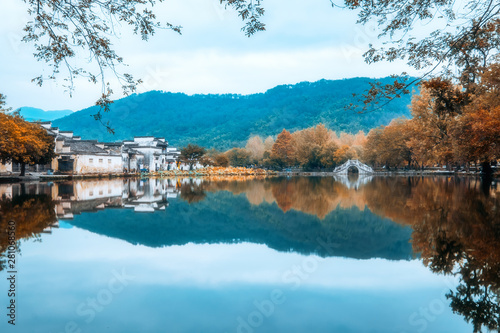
<point>32,211</point>
<point>453,224</point>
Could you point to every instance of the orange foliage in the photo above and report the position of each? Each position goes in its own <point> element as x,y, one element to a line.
<point>283,151</point>
<point>24,142</point>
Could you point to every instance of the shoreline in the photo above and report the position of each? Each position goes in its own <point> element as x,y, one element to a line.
<point>233,172</point>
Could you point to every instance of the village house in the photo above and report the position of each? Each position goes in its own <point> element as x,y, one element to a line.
<point>80,157</point>
<point>131,158</point>
<point>154,151</point>
<point>85,157</point>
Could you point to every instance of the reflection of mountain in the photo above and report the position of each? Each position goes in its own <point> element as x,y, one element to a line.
<point>455,222</point>
<point>208,215</point>
<point>225,218</point>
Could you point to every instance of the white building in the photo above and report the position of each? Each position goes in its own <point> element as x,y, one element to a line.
<point>85,157</point>
<point>154,151</point>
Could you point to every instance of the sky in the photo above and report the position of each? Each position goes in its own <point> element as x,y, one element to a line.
<point>304,41</point>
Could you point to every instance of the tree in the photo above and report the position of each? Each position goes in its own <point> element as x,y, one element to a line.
<point>373,144</point>
<point>206,161</point>
<point>191,154</point>
<point>388,145</point>
<point>283,152</point>
<point>314,147</point>
<point>477,130</point>
<point>255,146</point>
<point>435,113</point>
<point>3,107</point>
<point>464,42</point>
<point>268,144</point>
<point>343,154</point>
<point>238,157</point>
<point>24,142</point>
<point>221,160</point>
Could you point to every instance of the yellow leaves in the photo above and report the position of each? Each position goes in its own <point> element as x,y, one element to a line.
<point>283,150</point>
<point>24,142</point>
<point>215,171</point>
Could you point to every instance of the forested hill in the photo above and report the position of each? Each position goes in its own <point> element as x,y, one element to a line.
<point>225,121</point>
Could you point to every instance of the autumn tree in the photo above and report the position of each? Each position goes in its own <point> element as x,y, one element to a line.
<point>24,142</point>
<point>191,154</point>
<point>477,130</point>
<point>268,143</point>
<point>266,156</point>
<point>435,112</point>
<point>343,154</point>
<point>283,151</point>
<point>464,40</point>
<point>372,145</point>
<point>388,145</point>
<point>221,160</point>
<point>314,147</point>
<point>238,157</point>
<point>256,148</point>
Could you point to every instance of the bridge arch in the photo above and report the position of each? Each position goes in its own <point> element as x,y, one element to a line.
<point>344,168</point>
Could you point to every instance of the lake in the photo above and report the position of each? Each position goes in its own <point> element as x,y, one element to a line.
<point>299,254</point>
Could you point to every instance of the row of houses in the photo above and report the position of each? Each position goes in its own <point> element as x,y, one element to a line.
<point>80,157</point>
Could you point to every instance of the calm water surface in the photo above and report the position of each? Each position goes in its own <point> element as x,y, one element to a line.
<point>253,255</point>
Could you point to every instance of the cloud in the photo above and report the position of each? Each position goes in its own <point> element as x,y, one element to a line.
<point>304,41</point>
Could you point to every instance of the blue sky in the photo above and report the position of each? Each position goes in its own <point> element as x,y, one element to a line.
<point>304,41</point>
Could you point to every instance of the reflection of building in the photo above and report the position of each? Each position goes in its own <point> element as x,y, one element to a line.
<point>92,195</point>
<point>147,196</point>
<point>74,197</point>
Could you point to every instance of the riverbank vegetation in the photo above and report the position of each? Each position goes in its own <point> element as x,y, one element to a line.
<point>449,126</point>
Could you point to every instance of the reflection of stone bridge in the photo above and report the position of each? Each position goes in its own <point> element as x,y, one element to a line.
<point>362,168</point>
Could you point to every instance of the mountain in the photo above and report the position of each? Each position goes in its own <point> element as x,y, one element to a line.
<point>224,121</point>
<point>32,114</point>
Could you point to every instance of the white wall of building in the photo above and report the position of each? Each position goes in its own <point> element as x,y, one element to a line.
<point>88,164</point>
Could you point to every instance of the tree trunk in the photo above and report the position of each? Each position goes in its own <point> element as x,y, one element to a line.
<point>486,170</point>
<point>23,169</point>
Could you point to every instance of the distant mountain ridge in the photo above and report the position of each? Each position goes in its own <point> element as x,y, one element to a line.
<point>225,121</point>
<point>32,114</point>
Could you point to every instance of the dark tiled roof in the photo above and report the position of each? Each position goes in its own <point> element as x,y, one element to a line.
<point>84,146</point>
<point>134,152</point>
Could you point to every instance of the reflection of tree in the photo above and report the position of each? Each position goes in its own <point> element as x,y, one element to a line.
<point>477,296</point>
<point>192,192</point>
<point>460,235</point>
<point>455,221</point>
<point>32,214</point>
<point>311,195</point>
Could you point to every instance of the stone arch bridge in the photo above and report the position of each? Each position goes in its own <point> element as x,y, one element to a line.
<point>362,168</point>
